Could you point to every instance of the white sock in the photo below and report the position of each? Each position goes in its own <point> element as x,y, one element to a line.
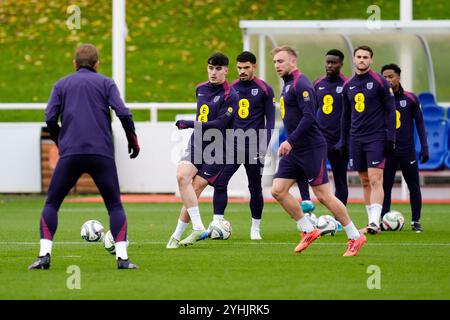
<point>304,225</point>
<point>181,226</point>
<point>46,247</point>
<point>375,213</point>
<point>352,232</point>
<point>255,224</point>
<point>368,209</point>
<point>196,219</point>
<point>121,250</point>
<point>218,217</point>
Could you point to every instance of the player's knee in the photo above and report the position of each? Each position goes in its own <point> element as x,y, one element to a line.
<point>220,186</point>
<point>278,193</point>
<point>183,179</point>
<point>255,189</point>
<point>365,182</point>
<point>376,182</point>
<point>323,197</point>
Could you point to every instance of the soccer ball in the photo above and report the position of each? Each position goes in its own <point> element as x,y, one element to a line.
<point>393,221</point>
<point>92,231</point>
<point>327,225</point>
<point>109,244</point>
<point>219,229</point>
<point>312,218</point>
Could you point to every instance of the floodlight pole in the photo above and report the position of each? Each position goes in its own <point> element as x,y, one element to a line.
<point>118,44</point>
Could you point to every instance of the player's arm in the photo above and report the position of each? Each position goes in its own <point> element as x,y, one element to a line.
<point>52,113</point>
<point>388,101</point>
<point>306,98</point>
<point>125,117</point>
<point>227,112</point>
<point>269,107</point>
<point>418,119</point>
<point>342,145</point>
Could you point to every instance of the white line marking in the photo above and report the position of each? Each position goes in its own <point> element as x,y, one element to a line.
<point>343,243</point>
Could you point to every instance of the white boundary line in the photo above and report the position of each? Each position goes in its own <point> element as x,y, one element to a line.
<point>343,243</point>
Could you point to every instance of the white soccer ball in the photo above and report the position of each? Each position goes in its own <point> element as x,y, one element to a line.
<point>327,225</point>
<point>92,231</point>
<point>109,244</point>
<point>312,218</point>
<point>393,221</point>
<point>219,229</point>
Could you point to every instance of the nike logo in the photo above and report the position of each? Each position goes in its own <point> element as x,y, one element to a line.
<point>206,173</point>
<point>320,88</point>
<point>200,94</point>
<point>352,87</point>
<point>375,162</point>
<point>412,162</point>
<point>310,180</point>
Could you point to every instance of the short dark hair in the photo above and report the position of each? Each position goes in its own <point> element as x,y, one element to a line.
<point>392,66</point>
<point>86,55</point>
<point>337,53</point>
<point>218,59</point>
<point>365,48</point>
<point>246,56</point>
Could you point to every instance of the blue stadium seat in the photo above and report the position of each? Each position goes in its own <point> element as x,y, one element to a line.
<point>447,158</point>
<point>328,165</point>
<point>437,136</point>
<point>282,136</point>
<point>426,98</point>
<point>433,112</point>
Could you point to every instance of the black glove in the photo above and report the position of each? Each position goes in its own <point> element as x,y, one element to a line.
<point>389,148</point>
<point>53,128</point>
<point>133,145</point>
<point>181,124</point>
<point>424,156</point>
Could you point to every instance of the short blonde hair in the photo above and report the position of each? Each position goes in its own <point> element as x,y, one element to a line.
<point>286,48</point>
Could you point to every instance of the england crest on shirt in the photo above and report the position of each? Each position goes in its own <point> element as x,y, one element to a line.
<point>254,92</point>
<point>339,89</point>
<point>402,103</point>
<point>287,88</point>
<point>369,85</point>
<point>216,98</point>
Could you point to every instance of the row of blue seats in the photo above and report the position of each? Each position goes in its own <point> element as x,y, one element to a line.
<point>431,110</point>
<point>438,138</point>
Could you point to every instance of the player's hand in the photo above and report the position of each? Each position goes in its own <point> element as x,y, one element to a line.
<point>133,150</point>
<point>181,124</point>
<point>424,156</point>
<point>285,149</point>
<point>389,148</point>
<point>133,145</point>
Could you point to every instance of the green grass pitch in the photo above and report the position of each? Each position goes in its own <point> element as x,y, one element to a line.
<point>412,266</point>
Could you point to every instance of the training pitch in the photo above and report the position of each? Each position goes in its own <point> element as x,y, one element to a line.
<point>393,265</point>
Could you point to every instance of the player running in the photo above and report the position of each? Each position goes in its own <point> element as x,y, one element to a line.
<point>328,90</point>
<point>407,112</point>
<point>368,129</point>
<point>303,154</point>
<point>85,144</point>
<point>217,103</point>
<point>253,126</point>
